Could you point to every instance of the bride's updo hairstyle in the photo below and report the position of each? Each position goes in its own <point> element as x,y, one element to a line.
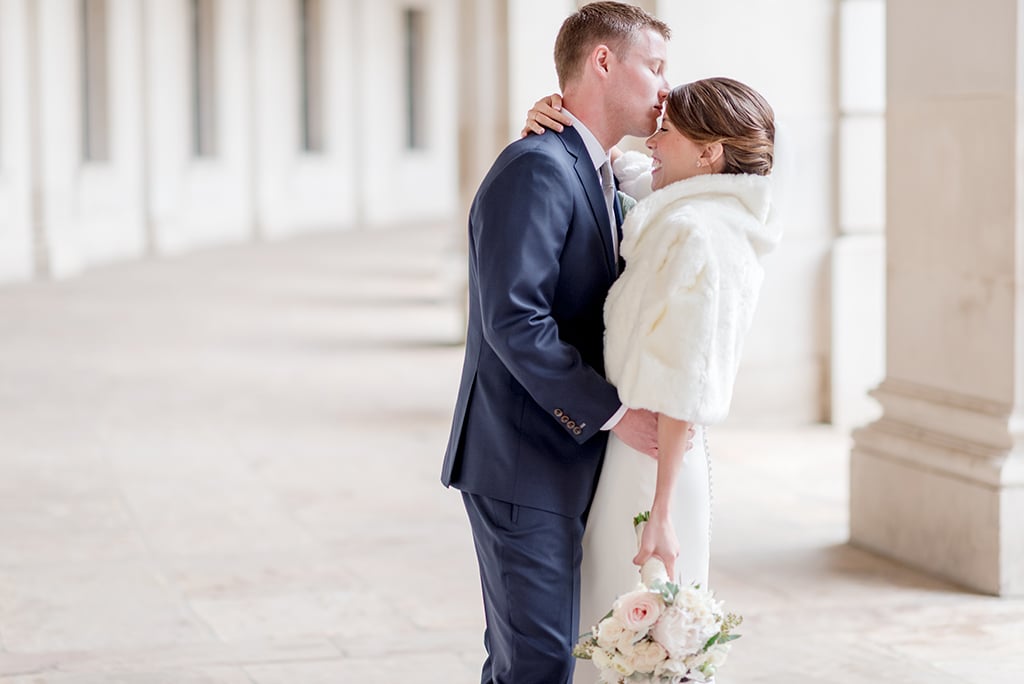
<point>726,111</point>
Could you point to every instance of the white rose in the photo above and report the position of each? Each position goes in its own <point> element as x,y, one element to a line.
<point>610,632</point>
<point>639,610</point>
<point>646,655</point>
<point>626,643</point>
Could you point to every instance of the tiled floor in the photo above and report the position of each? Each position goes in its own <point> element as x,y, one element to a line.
<point>224,469</point>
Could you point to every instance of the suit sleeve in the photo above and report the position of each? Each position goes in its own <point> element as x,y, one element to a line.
<point>519,229</point>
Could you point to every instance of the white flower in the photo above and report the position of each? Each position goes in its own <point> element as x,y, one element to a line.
<point>679,634</point>
<point>702,607</point>
<point>696,662</point>
<point>602,659</point>
<point>646,655</point>
<point>610,632</point>
<point>639,610</point>
<point>672,670</point>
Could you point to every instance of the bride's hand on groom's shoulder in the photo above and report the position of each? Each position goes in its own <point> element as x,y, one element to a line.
<point>639,429</point>
<point>546,113</point>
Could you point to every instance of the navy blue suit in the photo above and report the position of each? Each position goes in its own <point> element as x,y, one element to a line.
<point>526,445</point>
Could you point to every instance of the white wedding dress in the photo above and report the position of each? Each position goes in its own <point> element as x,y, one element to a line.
<point>626,488</point>
<point>675,322</point>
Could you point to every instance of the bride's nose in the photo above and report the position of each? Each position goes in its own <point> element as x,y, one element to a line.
<point>650,142</point>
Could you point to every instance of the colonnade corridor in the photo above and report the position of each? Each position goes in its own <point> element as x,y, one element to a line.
<point>223,468</point>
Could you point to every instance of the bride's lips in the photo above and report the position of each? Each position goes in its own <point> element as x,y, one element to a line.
<point>655,165</point>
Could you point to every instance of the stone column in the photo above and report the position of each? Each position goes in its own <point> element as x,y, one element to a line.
<point>483,94</point>
<point>858,254</point>
<point>938,481</point>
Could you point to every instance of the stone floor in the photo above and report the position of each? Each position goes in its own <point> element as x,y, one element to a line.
<point>223,468</point>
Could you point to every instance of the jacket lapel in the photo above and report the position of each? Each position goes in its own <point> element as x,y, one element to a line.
<point>591,183</point>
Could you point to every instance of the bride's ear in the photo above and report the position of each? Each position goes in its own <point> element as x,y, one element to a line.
<point>710,155</point>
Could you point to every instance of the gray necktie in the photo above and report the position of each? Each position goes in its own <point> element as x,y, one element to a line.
<point>608,186</point>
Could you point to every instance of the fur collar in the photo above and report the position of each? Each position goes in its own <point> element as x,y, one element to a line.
<point>750,208</point>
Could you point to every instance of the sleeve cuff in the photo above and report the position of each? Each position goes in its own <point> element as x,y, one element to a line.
<point>616,417</point>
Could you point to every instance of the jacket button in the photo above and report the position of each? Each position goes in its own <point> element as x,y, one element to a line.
<point>565,419</point>
<point>571,425</point>
<point>558,413</point>
<point>577,431</point>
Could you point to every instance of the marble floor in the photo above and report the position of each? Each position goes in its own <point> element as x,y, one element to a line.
<point>223,468</point>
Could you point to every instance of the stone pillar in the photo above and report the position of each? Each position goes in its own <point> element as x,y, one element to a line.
<point>938,481</point>
<point>483,94</point>
<point>858,254</point>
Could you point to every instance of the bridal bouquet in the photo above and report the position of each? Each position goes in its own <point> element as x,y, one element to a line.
<point>660,633</point>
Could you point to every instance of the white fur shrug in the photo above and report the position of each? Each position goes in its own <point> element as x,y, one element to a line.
<point>677,316</point>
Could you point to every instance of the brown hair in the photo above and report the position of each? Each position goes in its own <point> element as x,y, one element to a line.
<point>613,23</point>
<point>732,113</point>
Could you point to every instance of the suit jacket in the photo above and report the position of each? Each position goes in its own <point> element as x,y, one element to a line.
<point>533,395</point>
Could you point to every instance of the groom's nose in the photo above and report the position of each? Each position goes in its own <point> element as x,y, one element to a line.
<point>663,92</point>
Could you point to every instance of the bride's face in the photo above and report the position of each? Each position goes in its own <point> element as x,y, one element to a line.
<point>676,157</point>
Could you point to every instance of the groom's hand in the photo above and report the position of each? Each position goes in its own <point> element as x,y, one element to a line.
<point>639,429</point>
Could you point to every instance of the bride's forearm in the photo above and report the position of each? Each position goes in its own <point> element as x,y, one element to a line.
<point>673,436</point>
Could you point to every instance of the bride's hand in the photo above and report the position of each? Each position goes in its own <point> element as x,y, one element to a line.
<point>546,113</point>
<point>659,540</point>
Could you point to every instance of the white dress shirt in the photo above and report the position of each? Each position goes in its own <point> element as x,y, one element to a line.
<point>599,156</point>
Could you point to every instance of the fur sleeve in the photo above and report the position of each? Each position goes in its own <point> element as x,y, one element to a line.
<point>633,169</point>
<point>673,364</point>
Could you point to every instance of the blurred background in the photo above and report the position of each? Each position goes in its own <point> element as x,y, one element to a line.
<point>137,129</point>
<point>232,286</point>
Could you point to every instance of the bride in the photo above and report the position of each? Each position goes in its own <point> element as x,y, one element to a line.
<point>675,322</point>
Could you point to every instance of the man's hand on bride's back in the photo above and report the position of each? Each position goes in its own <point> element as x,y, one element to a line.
<point>546,113</point>
<point>639,429</point>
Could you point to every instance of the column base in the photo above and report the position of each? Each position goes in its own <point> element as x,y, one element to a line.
<point>905,503</point>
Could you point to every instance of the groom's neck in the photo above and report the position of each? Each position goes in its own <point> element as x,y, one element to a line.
<point>593,113</point>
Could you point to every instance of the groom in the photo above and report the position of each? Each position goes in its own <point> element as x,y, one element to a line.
<point>534,408</point>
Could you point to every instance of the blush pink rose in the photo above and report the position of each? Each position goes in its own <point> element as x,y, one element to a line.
<point>638,610</point>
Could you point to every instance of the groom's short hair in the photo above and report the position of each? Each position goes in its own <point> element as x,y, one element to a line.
<point>613,23</point>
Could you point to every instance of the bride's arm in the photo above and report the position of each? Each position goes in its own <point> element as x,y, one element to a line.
<point>659,538</point>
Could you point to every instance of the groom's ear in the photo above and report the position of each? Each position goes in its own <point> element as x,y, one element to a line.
<point>599,59</point>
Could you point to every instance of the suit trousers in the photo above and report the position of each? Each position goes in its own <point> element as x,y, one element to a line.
<point>530,574</point>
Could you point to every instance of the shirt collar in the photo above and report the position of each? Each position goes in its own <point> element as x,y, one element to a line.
<point>598,155</point>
